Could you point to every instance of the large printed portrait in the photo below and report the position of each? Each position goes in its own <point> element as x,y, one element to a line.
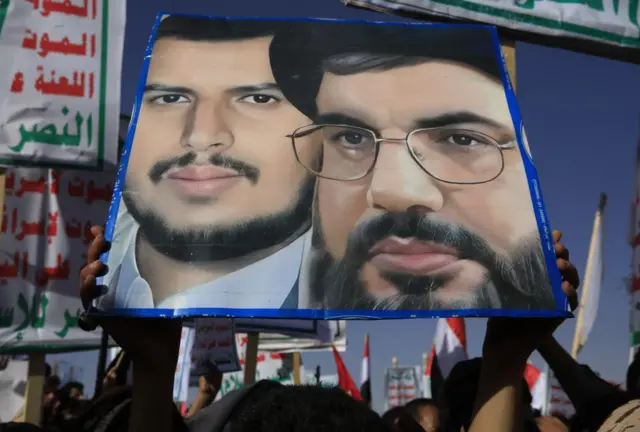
<point>327,169</point>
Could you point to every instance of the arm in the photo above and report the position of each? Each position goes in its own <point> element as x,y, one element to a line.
<point>152,405</point>
<point>498,405</point>
<point>202,400</point>
<point>579,383</point>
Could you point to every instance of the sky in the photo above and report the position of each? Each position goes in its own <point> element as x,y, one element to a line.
<point>582,117</point>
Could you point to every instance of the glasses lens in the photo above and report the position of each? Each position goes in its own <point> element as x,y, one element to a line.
<point>348,153</point>
<point>457,155</point>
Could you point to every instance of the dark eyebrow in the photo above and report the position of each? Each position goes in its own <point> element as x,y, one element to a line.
<point>253,88</point>
<point>342,119</point>
<point>456,118</point>
<point>168,89</point>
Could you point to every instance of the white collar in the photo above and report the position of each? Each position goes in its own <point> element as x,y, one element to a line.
<point>264,284</point>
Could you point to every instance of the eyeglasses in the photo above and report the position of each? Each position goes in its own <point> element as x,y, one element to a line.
<point>450,155</point>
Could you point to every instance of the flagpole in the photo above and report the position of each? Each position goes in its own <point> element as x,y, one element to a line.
<point>577,343</point>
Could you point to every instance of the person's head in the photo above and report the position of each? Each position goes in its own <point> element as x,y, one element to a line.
<point>398,419</point>
<point>459,394</point>
<point>426,413</point>
<point>422,200</point>
<point>552,424</point>
<point>305,409</point>
<point>633,377</point>
<point>212,174</point>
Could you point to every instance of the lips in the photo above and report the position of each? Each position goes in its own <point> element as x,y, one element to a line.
<point>198,180</point>
<point>412,255</point>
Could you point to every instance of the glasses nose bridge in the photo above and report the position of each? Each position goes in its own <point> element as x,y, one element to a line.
<point>380,140</point>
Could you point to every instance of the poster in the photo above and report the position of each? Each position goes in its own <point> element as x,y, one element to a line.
<point>44,236</point>
<point>215,342</point>
<point>204,221</point>
<point>608,23</point>
<point>401,385</point>
<point>60,82</point>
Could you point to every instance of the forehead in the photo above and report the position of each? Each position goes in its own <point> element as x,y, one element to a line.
<point>424,90</point>
<point>210,64</point>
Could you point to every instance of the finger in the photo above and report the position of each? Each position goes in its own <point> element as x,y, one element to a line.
<point>97,230</point>
<point>87,322</point>
<point>572,295</point>
<point>96,269</point>
<point>87,291</point>
<point>557,236</point>
<point>561,251</point>
<point>98,246</point>
<point>569,272</point>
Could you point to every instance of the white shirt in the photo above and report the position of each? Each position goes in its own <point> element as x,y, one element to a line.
<point>265,284</point>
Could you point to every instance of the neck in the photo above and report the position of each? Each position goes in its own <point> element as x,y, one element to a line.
<point>168,277</point>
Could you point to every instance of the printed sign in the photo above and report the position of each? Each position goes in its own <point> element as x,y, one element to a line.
<point>215,342</point>
<point>270,366</point>
<point>402,385</point>
<point>206,223</point>
<point>60,83</point>
<point>44,237</point>
<point>610,22</point>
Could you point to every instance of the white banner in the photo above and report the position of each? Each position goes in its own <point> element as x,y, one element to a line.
<point>44,237</point>
<point>60,82</point>
<point>183,367</point>
<point>613,22</point>
<point>328,333</point>
<point>13,385</point>
<point>215,342</point>
<point>271,366</point>
<point>402,385</point>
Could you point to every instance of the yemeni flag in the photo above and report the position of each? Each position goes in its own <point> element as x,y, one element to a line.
<point>537,382</point>
<point>365,378</point>
<point>345,382</point>
<point>449,347</point>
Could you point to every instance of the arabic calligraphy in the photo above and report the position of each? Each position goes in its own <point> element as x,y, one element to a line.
<point>594,5</point>
<point>34,315</point>
<point>66,7</point>
<point>44,45</point>
<point>61,86</point>
<point>90,193</point>
<point>49,134</point>
<point>70,322</point>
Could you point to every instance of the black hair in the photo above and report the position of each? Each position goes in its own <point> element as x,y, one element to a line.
<point>206,29</point>
<point>302,52</point>
<point>306,409</point>
<point>398,419</point>
<point>414,406</point>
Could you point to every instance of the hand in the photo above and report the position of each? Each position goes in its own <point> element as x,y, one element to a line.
<point>152,342</point>
<point>210,382</point>
<point>521,336</point>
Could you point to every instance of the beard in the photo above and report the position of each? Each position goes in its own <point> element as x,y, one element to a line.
<point>519,281</point>
<point>204,244</point>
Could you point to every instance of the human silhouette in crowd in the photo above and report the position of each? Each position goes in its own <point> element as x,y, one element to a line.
<point>426,413</point>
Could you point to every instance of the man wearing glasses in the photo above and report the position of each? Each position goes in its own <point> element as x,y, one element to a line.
<point>422,201</point>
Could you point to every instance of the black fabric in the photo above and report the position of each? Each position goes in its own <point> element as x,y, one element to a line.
<point>437,380</point>
<point>216,417</point>
<point>297,52</point>
<point>365,392</point>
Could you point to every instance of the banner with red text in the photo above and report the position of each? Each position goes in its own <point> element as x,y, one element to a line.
<point>214,342</point>
<point>60,82</point>
<point>44,237</point>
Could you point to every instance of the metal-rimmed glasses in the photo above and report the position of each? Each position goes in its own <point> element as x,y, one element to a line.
<point>448,154</point>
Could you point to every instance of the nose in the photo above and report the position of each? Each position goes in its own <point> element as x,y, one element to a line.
<point>206,129</point>
<point>398,184</point>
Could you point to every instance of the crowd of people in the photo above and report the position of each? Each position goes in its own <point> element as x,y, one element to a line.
<point>481,394</point>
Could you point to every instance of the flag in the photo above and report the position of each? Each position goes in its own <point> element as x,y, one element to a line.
<point>537,382</point>
<point>345,382</point>
<point>449,347</point>
<point>590,293</point>
<point>365,378</point>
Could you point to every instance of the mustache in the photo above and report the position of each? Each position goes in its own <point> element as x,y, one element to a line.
<point>158,169</point>
<point>420,226</point>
